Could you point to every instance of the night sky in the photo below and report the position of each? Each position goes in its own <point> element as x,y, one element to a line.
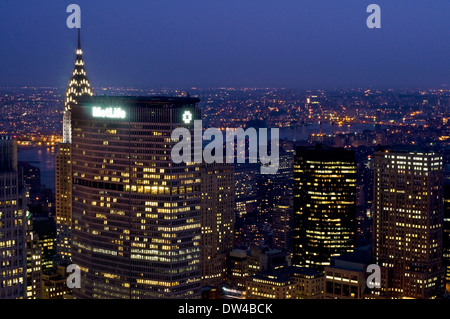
<point>304,44</point>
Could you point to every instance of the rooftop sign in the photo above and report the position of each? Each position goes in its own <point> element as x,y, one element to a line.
<point>109,112</point>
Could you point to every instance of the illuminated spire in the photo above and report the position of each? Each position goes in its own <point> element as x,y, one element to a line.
<point>78,86</point>
<point>79,39</point>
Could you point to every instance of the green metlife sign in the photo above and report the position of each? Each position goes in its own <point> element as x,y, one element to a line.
<point>108,112</point>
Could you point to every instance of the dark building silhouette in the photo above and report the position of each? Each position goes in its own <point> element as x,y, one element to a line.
<point>31,177</point>
<point>324,205</point>
<point>45,228</point>
<point>246,202</point>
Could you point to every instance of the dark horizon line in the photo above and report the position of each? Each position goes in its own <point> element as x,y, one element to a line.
<point>238,87</point>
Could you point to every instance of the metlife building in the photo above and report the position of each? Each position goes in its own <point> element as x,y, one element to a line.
<point>136,214</point>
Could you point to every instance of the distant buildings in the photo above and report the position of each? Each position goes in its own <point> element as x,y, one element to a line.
<point>324,205</point>
<point>282,224</point>
<point>313,105</point>
<point>31,177</point>
<point>246,191</point>
<point>54,284</point>
<point>244,263</point>
<point>264,259</point>
<point>273,188</point>
<point>408,222</point>
<point>286,283</point>
<point>247,231</point>
<point>44,230</point>
<point>237,271</point>
<point>272,285</point>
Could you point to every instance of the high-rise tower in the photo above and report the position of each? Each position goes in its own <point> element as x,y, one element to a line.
<point>78,86</point>
<point>13,253</point>
<point>136,213</point>
<point>408,222</point>
<point>324,205</point>
<point>217,221</point>
<point>282,223</point>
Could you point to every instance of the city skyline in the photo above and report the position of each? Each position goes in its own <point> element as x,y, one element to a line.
<point>356,209</point>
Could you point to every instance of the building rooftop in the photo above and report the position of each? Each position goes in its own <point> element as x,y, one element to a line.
<point>141,101</point>
<point>286,273</point>
<point>305,271</point>
<point>356,260</point>
<point>321,152</point>
<point>240,253</point>
<point>406,149</point>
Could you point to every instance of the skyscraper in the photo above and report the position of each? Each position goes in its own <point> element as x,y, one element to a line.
<point>313,105</point>
<point>78,86</point>
<point>13,253</point>
<point>272,188</point>
<point>245,181</point>
<point>408,221</point>
<point>31,178</point>
<point>136,213</point>
<point>446,240</point>
<point>246,200</point>
<point>282,223</point>
<point>34,261</point>
<point>324,205</point>
<point>217,221</point>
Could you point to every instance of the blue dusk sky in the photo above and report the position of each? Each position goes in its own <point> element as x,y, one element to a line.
<point>305,44</point>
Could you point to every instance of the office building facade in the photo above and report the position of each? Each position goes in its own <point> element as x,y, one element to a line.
<point>446,240</point>
<point>408,222</point>
<point>217,221</point>
<point>13,254</point>
<point>324,205</point>
<point>136,213</point>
